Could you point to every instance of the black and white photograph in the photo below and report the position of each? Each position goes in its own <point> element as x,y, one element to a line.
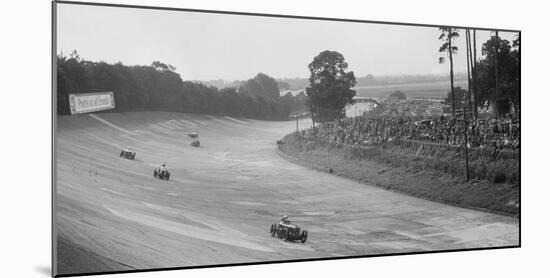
<point>190,138</point>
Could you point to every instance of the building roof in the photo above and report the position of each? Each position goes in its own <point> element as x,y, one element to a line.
<point>292,92</point>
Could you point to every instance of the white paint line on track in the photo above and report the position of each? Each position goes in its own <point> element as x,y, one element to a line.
<point>172,124</point>
<point>110,124</point>
<point>245,203</point>
<point>228,236</point>
<point>225,121</point>
<point>235,120</point>
<point>177,124</point>
<point>112,191</point>
<point>199,122</point>
<point>165,125</point>
<point>129,137</point>
<point>188,124</point>
<point>109,143</point>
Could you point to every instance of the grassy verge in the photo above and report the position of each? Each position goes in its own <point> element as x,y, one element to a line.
<point>431,173</point>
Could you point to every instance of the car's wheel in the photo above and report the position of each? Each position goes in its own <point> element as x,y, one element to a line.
<point>273,230</point>
<point>304,236</point>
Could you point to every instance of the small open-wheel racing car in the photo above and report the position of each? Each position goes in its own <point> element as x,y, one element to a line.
<point>195,136</point>
<point>159,174</point>
<point>288,232</point>
<point>196,143</point>
<point>128,154</point>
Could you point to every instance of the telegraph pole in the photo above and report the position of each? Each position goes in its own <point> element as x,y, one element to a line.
<point>466,143</point>
<point>468,66</point>
<point>297,131</point>
<point>312,118</point>
<point>464,114</point>
<point>474,75</point>
<point>496,76</point>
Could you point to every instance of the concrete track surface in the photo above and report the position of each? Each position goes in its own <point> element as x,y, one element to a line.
<point>223,196</point>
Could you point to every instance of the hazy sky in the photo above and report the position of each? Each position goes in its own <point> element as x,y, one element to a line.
<point>206,46</point>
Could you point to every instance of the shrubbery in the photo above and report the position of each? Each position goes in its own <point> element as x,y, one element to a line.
<point>435,173</point>
<point>159,88</point>
<point>436,159</point>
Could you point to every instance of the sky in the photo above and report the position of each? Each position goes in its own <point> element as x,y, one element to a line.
<point>207,46</point>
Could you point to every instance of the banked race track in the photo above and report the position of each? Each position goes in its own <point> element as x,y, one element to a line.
<point>222,197</point>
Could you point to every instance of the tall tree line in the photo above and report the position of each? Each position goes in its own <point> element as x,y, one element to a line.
<point>159,88</point>
<point>493,79</point>
<point>498,75</point>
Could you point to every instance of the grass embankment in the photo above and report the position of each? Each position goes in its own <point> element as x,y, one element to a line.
<point>433,172</point>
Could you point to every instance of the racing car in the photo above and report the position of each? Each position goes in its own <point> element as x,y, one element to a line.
<point>163,175</point>
<point>288,232</point>
<point>128,154</point>
<point>195,136</point>
<point>196,143</point>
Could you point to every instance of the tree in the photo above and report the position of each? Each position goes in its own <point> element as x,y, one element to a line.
<point>447,36</point>
<point>398,95</point>
<point>330,86</point>
<point>270,88</point>
<point>162,66</point>
<point>508,76</point>
<point>283,85</point>
<point>516,59</point>
<point>460,98</point>
<point>261,85</point>
<point>158,87</point>
<point>367,80</point>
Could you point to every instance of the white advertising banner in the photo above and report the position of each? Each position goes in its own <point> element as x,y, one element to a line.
<point>86,103</point>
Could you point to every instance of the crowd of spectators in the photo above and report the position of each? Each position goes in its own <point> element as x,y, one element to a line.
<point>487,133</point>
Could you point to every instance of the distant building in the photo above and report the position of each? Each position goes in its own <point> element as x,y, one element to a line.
<point>292,92</point>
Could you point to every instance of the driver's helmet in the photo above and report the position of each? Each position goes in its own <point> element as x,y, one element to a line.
<point>163,164</point>
<point>285,218</point>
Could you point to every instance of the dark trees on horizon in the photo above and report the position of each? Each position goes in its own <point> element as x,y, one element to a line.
<point>159,88</point>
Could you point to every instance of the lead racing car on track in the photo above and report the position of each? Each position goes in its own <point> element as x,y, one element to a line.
<point>287,231</point>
